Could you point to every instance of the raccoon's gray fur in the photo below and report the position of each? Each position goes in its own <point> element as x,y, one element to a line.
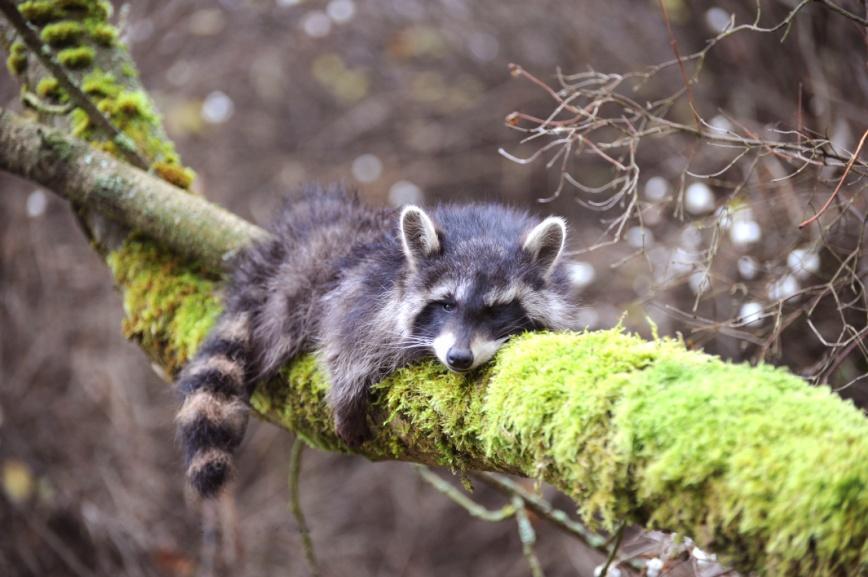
<point>368,290</point>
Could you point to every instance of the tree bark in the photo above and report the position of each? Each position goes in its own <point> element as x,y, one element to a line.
<point>186,224</point>
<point>749,461</point>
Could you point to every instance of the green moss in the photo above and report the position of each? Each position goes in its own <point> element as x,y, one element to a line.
<point>49,87</point>
<point>100,85</point>
<point>652,433</point>
<point>74,5</point>
<point>63,33</point>
<point>16,62</point>
<point>103,34</point>
<point>99,9</point>
<point>80,126</point>
<point>174,173</point>
<point>68,24</point>
<point>776,470</point>
<point>134,104</point>
<point>169,306</point>
<point>77,57</point>
<point>427,406</point>
<point>133,113</point>
<point>40,11</point>
<point>297,397</point>
<point>751,462</point>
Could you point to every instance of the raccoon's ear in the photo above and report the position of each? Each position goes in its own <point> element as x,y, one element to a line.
<point>418,234</point>
<point>545,242</point>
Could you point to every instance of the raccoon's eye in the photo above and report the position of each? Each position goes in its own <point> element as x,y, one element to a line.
<point>448,305</point>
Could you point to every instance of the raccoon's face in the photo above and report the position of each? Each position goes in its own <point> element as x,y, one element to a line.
<point>473,289</point>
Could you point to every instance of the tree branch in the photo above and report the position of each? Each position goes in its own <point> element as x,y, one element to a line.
<point>127,147</point>
<point>752,462</point>
<point>634,431</point>
<point>187,224</point>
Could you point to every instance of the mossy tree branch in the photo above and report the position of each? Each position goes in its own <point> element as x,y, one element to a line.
<point>42,52</point>
<point>752,462</point>
<point>67,56</point>
<point>187,224</point>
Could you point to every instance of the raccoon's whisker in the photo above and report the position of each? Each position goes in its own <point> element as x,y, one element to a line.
<point>509,330</point>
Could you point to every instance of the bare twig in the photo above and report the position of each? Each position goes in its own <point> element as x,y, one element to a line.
<point>616,544</point>
<point>831,198</point>
<point>527,536</point>
<point>545,510</point>
<point>673,42</point>
<point>845,13</point>
<point>468,504</point>
<point>295,506</point>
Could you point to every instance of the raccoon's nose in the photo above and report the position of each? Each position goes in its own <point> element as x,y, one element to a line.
<point>459,359</point>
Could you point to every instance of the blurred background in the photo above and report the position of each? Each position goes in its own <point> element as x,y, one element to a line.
<point>407,100</point>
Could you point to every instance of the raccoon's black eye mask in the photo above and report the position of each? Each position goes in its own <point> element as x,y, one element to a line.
<point>447,304</point>
<point>500,320</point>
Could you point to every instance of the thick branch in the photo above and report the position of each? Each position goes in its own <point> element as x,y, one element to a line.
<point>751,462</point>
<point>187,224</point>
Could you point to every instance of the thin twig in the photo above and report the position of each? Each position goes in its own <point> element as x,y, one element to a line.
<point>544,509</point>
<point>845,13</point>
<point>619,536</point>
<point>471,506</point>
<point>295,506</point>
<point>673,42</point>
<point>527,536</point>
<point>840,183</point>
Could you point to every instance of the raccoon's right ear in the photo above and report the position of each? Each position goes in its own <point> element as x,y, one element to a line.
<point>418,234</point>
<point>545,242</point>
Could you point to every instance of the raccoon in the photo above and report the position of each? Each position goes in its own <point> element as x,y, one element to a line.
<point>368,291</point>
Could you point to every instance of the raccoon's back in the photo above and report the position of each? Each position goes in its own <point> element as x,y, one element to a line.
<point>280,282</point>
<point>320,230</point>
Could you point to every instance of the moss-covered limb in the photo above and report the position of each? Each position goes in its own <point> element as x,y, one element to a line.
<point>186,223</point>
<point>74,43</point>
<point>753,463</point>
<point>79,37</point>
<point>68,34</point>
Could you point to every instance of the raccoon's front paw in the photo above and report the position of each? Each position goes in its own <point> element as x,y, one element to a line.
<point>352,427</point>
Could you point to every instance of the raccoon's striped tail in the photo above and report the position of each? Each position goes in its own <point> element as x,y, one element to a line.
<point>213,418</point>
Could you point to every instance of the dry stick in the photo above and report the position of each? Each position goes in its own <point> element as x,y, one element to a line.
<point>545,510</point>
<point>125,144</point>
<point>673,42</point>
<point>845,13</point>
<point>295,506</point>
<point>527,536</point>
<point>516,70</point>
<point>842,356</point>
<point>459,498</point>
<point>828,203</point>
<point>619,536</point>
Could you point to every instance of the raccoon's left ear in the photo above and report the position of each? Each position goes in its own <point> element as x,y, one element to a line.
<point>545,242</point>
<point>418,234</point>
